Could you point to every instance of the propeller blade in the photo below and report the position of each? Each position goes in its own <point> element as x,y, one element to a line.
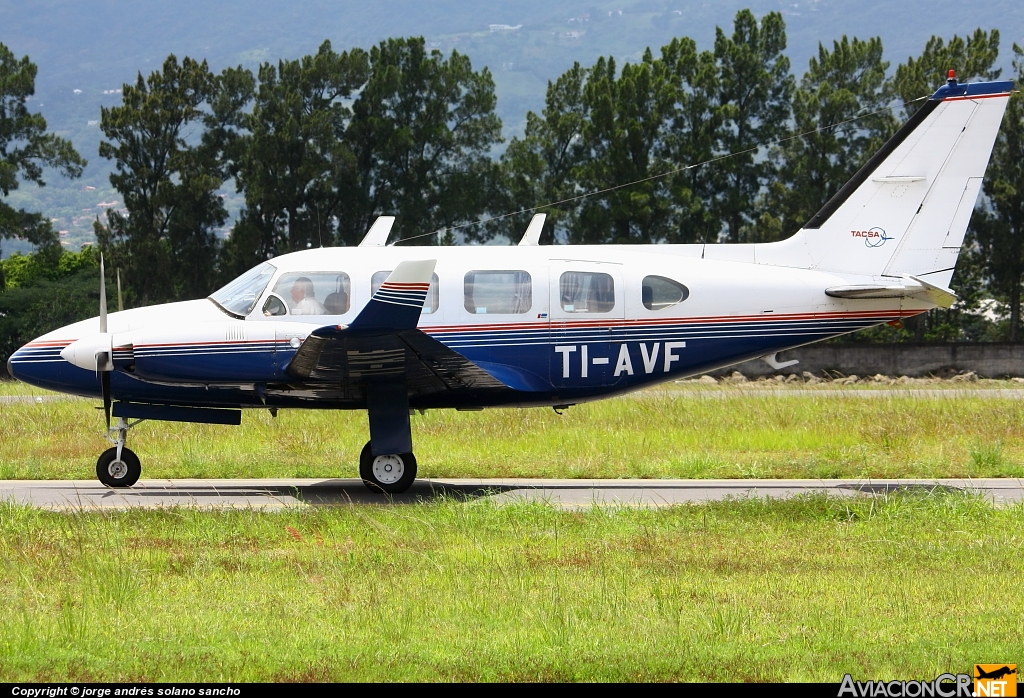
<point>103,298</point>
<point>105,387</point>
<point>120,303</point>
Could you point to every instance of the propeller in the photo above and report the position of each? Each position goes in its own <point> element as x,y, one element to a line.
<point>104,366</point>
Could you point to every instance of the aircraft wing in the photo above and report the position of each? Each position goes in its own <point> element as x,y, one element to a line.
<point>383,345</point>
<point>352,357</point>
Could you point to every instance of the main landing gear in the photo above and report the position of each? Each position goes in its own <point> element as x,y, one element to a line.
<point>390,474</point>
<point>119,466</point>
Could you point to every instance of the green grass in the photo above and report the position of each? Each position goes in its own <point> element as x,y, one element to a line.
<point>901,587</point>
<point>719,432</point>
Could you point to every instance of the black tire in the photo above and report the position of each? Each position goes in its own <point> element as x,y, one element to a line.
<point>394,473</point>
<point>124,474</point>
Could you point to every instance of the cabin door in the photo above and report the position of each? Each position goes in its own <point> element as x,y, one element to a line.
<point>587,306</point>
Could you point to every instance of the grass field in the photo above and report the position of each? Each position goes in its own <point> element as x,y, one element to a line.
<point>808,589</point>
<point>905,586</point>
<point>689,431</point>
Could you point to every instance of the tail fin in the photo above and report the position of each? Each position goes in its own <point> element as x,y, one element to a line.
<point>906,211</point>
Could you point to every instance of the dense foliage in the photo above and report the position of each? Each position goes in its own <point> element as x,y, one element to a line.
<point>685,145</point>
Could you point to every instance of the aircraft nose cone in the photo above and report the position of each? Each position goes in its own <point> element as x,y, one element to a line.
<point>83,352</point>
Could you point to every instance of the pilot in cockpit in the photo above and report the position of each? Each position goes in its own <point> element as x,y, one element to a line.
<point>304,299</point>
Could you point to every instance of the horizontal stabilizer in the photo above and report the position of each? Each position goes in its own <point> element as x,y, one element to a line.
<point>398,302</point>
<point>907,287</point>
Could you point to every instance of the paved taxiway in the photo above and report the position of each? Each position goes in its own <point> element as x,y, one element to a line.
<point>280,493</point>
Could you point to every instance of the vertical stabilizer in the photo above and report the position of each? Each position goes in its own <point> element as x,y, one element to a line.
<point>906,211</point>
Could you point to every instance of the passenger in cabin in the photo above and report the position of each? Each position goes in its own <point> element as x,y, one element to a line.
<point>304,299</point>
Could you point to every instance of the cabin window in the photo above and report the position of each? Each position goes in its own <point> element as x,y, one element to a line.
<point>586,292</point>
<point>659,293</point>
<point>429,305</point>
<point>310,293</point>
<point>498,292</point>
<point>239,296</point>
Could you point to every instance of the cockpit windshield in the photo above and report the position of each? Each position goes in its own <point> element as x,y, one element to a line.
<point>239,296</point>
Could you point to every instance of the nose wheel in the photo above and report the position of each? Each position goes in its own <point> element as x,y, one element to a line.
<point>119,466</point>
<point>391,473</point>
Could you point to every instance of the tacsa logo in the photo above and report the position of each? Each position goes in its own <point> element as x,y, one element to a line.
<point>995,680</point>
<point>874,237</point>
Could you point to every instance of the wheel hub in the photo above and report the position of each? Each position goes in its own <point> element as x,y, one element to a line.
<point>118,469</point>
<point>388,469</point>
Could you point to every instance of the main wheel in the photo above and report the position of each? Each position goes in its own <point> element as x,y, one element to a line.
<point>118,473</point>
<point>391,474</point>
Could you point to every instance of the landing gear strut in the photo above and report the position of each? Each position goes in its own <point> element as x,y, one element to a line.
<point>391,473</point>
<point>119,466</point>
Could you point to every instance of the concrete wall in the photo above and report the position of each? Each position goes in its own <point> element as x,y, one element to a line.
<point>987,360</point>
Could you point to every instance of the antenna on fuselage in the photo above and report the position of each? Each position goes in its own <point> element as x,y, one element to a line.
<point>120,302</point>
<point>532,235</point>
<point>377,235</point>
<point>319,231</point>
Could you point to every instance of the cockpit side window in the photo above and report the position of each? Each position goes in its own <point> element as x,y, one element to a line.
<point>239,297</point>
<point>429,305</point>
<point>310,293</point>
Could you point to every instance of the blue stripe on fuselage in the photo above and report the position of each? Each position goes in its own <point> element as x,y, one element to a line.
<point>531,354</point>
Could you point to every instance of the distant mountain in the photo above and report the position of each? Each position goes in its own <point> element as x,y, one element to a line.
<point>86,49</point>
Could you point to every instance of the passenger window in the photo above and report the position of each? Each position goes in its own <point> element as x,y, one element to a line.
<point>312,293</point>
<point>659,293</point>
<point>498,292</point>
<point>586,292</point>
<point>429,305</point>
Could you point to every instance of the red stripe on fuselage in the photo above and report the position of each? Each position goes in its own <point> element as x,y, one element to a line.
<point>654,322</point>
<point>966,97</point>
<point>51,343</point>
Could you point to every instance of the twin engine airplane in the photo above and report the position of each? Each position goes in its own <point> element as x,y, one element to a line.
<point>391,329</point>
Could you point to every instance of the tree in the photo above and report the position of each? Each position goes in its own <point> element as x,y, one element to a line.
<point>166,243</point>
<point>294,166</point>
<point>538,168</point>
<point>422,130</point>
<point>45,291</point>
<point>998,229</point>
<point>754,93</point>
<point>25,148</point>
<point>628,114</point>
<point>692,134</point>
<point>839,119</point>
<point>603,129</point>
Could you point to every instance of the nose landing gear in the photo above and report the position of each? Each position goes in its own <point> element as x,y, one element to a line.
<point>119,466</point>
